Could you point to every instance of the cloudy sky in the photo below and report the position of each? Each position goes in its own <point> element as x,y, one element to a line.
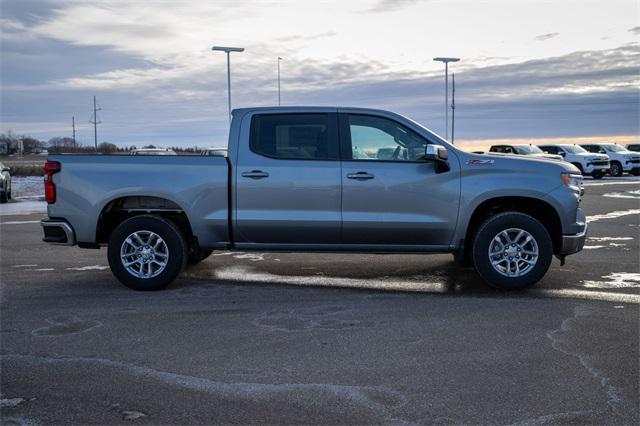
<point>529,70</point>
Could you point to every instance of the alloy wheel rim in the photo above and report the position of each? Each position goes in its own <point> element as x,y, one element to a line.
<point>513,252</point>
<point>144,254</point>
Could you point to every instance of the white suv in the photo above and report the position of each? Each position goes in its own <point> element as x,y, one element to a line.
<point>622,160</point>
<point>596,165</point>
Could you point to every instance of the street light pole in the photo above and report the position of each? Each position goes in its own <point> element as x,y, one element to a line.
<point>453,106</point>
<point>279,59</point>
<point>446,91</point>
<point>228,51</point>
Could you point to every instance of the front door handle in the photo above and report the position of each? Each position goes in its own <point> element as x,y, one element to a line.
<point>360,176</point>
<point>255,174</point>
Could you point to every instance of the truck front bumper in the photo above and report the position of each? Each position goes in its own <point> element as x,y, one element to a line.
<point>58,231</point>
<point>573,243</point>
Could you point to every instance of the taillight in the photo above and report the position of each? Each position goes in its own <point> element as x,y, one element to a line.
<point>50,168</point>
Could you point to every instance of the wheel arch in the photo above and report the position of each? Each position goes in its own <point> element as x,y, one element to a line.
<point>121,208</point>
<point>539,209</point>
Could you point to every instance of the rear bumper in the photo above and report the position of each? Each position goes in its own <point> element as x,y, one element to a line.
<point>573,243</point>
<point>58,232</point>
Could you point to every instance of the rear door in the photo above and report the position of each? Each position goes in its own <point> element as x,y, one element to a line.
<point>390,194</point>
<point>288,179</point>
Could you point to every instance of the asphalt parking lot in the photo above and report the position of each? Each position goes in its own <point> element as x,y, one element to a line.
<point>324,338</point>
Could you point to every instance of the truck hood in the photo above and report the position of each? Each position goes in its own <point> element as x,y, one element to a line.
<point>589,156</point>
<point>550,156</point>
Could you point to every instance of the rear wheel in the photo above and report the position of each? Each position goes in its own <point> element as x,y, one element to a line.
<point>635,172</point>
<point>3,197</point>
<point>597,175</point>
<point>512,251</point>
<point>147,252</point>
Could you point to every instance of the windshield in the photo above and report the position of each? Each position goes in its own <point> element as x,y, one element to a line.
<point>574,149</point>
<point>528,149</point>
<point>611,147</point>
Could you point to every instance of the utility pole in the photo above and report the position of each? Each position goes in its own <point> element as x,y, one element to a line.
<point>279,59</point>
<point>453,106</point>
<point>73,125</point>
<point>95,122</point>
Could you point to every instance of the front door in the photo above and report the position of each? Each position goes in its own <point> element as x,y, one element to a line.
<point>390,194</point>
<point>287,180</point>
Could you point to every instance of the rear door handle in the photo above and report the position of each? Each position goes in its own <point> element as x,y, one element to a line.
<point>360,176</point>
<point>255,174</point>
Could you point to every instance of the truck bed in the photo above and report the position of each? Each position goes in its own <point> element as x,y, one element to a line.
<point>198,185</point>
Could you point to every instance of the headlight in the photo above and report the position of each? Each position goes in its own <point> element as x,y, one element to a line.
<point>573,182</point>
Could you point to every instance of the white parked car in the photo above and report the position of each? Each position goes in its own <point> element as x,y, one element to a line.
<point>622,160</point>
<point>596,165</point>
<point>5,183</point>
<point>530,150</point>
<point>153,151</point>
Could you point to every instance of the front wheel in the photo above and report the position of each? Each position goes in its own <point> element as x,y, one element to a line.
<point>597,175</point>
<point>616,169</point>
<point>147,252</point>
<point>512,251</point>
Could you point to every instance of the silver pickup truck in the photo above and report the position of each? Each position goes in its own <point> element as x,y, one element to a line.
<point>318,179</point>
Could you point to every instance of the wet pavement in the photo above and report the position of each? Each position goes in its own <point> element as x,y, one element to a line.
<point>323,338</point>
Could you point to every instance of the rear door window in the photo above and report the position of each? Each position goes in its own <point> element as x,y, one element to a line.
<point>295,136</point>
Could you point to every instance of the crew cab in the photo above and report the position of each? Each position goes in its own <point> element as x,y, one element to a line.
<point>318,179</point>
<point>596,165</point>
<point>531,150</point>
<point>622,159</point>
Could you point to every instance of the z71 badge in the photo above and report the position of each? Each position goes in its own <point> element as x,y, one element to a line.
<point>478,162</point>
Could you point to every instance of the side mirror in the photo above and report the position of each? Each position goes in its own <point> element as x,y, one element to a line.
<point>6,169</point>
<point>435,153</point>
<point>562,153</point>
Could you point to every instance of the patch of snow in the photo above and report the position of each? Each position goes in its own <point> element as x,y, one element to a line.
<point>592,247</point>
<point>11,402</point>
<point>610,238</point>
<point>19,222</point>
<point>132,415</point>
<point>23,208</point>
<point>88,268</point>
<point>612,215</point>
<point>254,257</point>
<point>27,186</point>
<point>634,195</point>
<point>616,280</point>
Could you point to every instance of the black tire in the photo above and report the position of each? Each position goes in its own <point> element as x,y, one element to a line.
<point>615,169</point>
<point>172,236</point>
<point>635,172</point>
<point>484,238</point>
<point>198,255</point>
<point>579,166</point>
<point>597,175</point>
<point>3,197</point>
